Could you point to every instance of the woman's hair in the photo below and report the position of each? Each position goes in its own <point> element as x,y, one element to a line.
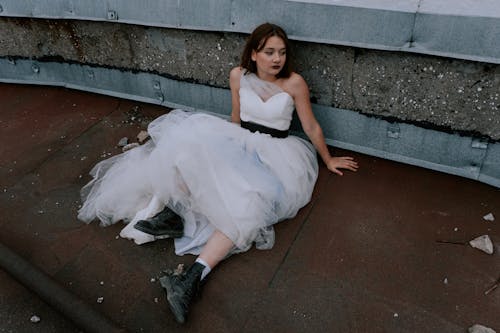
<point>256,42</point>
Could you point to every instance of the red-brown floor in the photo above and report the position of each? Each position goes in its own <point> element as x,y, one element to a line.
<point>361,257</point>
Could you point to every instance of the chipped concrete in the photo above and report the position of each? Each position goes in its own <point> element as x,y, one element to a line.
<point>443,93</point>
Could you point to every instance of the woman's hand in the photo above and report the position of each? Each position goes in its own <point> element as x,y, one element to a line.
<point>336,163</point>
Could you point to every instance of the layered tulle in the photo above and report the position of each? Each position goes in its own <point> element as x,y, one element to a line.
<point>213,173</point>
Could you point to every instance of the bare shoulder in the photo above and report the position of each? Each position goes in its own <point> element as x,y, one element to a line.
<point>296,84</point>
<point>234,78</point>
<point>235,73</point>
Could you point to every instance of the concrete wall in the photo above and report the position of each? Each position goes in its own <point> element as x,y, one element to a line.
<point>433,92</point>
<point>414,81</point>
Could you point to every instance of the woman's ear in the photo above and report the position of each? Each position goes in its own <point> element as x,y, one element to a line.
<point>254,55</point>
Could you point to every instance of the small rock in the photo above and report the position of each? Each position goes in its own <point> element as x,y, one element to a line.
<point>130,146</point>
<point>101,283</point>
<point>476,328</point>
<point>100,300</point>
<point>142,136</point>
<point>156,299</point>
<point>123,142</point>
<point>35,319</point>
<point>445,281</point>
<point>152,280</point>
<point>456,229</point>
<point>482,243</point>
<point>489,217</point>
<point>396,315</point>
<point>179,270</point>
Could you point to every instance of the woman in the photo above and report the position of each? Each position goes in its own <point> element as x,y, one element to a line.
<point>229,181</point>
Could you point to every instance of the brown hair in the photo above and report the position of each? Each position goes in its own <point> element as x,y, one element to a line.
<point>256,42</point>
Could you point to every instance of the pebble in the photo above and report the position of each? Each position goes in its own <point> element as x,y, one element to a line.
<point>489,217</point>
<point>35,319</point>
<point>476,328</point>
<point>100,300</point>
<point>123,142</point>
<point>482,243</point>
<point>142,136</point>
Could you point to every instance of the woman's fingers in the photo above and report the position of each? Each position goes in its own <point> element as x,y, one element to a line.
<point>349,163</point>
<point>338,172</point>
<point>344,162</point>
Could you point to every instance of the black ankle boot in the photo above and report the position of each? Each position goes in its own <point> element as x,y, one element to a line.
<point>181,289</point>
<point>164,224</point>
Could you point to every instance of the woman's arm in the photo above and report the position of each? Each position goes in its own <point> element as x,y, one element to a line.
<point>234,84</point>
<point>300,93</point>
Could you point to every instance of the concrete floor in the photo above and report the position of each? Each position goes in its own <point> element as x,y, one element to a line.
<point>361,257</point>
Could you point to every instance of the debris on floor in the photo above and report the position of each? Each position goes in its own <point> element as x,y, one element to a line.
<point>482,243</point>
<point>130,146</point>
<point>100,300</point>
<point>142,136</point>
<point>35,319</point>
<point>123,142</point>
<point>179,270</point>
<point>135,116</point>
<point>489,217</point>
<point>176,271</point>
<point>480,329</point>
<point>492,287</point>
<point>443,241</point>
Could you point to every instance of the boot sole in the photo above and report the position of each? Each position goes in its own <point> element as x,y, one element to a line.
<point>170,234</point>
<point>169,291</point>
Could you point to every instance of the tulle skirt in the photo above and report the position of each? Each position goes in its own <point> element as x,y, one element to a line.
<point>213,173</point>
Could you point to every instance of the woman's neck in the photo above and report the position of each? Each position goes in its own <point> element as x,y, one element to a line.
<point>268,78</point>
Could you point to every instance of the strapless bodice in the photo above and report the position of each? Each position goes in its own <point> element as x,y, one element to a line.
<point>275,112</point>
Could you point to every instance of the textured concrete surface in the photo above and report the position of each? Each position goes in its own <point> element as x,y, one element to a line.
<point>464,30</point>
<point>452,95</point>
<point>361,257</point>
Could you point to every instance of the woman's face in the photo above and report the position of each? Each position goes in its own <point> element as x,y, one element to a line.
<point>271,59</point>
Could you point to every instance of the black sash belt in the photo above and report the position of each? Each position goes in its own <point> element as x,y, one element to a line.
<point>253,127</point>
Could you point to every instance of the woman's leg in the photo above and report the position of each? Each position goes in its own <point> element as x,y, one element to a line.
<point>216,249</point>
<point>181,289</point>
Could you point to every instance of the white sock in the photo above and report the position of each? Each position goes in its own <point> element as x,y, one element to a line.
<point>206,270</point>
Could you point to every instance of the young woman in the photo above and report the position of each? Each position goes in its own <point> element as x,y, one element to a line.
<point>228,181</point>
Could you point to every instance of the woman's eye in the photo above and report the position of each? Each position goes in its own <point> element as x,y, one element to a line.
<point>268,53</point>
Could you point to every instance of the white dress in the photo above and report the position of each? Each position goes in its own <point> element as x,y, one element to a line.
<point>213,173</point>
